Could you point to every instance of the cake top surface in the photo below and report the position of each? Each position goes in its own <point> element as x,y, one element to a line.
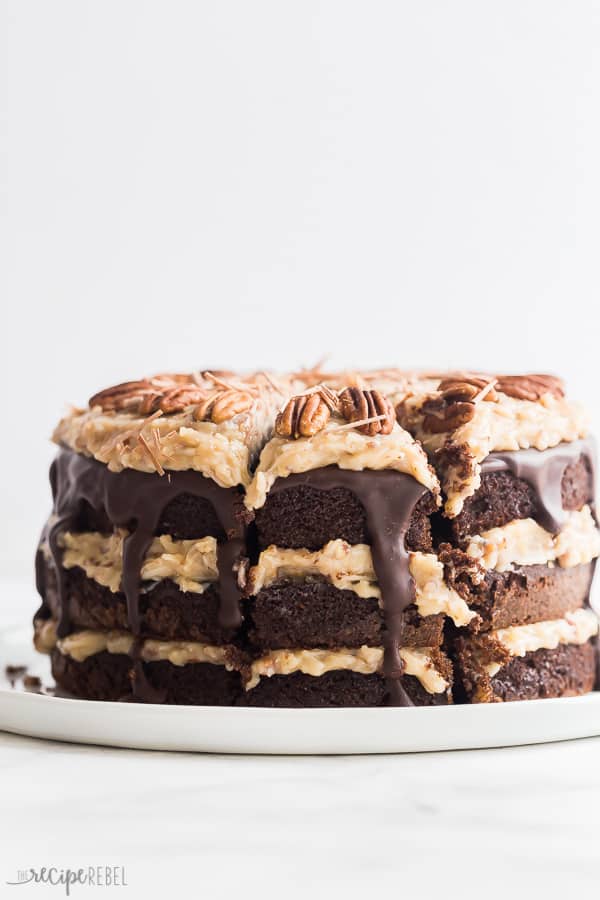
<point>214,422</point>
<point>220,422</point>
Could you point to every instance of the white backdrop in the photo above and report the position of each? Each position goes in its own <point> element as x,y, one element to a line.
<point>255,184</point>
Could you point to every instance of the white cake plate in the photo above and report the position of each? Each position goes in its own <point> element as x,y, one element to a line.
<point>213,729</point>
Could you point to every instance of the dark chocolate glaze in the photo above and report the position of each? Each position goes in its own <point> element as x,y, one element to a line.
<point>135,500</point>
<point>544,470</point>
<point>389,499</point>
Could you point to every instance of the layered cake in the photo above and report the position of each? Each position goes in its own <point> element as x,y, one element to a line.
<point>321,539</point>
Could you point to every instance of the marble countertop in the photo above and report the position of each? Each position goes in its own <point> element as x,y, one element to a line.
<point>483,823</point>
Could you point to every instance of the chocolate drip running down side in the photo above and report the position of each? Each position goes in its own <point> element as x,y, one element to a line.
<point>389,499</point>
<point>135,500</point>
<point>544,470</point>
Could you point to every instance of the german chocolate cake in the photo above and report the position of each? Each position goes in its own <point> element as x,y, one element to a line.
<point>321,539</point>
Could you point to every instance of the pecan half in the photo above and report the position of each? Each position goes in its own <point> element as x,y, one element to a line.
<point>454,404</point>
<point>467,389</point>
<point>177,399</point>
<point>229,404</point>
<point>441,416</point>
<point>371,410</point>
<point>303,416</point>
<point>530,387</point>
<point>130,395</point>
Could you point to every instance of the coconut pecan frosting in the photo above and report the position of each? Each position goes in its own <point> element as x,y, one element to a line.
<point>219,421</point>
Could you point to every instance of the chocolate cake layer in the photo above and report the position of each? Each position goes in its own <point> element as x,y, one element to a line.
<point>104,676</point>
<point>503,497</point>
<point>107,676</point>
<point>289,613</point>
<point>314,613</point>
<point>303,516</point>
<point>338,688</point>
<point>195,684</point>
<point>184,518</point>
<point>521,596</point>
<point>165,611</point>
<point>566,671</point>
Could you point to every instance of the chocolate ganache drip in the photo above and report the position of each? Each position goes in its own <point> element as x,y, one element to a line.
<point>135,500</point>
<point>389,499</point>
<point>544,470</point>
